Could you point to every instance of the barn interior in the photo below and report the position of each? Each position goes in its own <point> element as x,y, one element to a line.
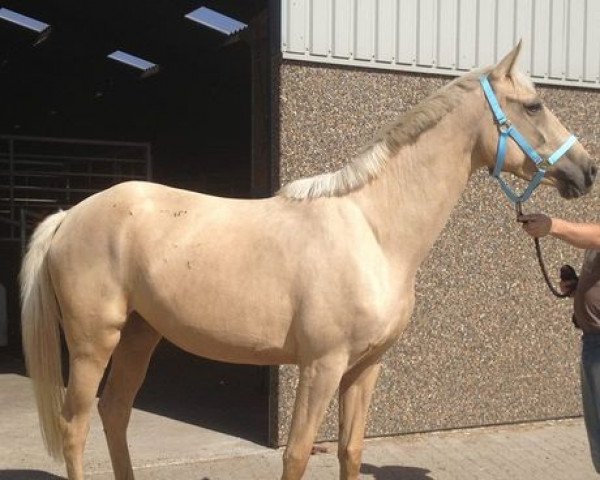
<point>193,93</point>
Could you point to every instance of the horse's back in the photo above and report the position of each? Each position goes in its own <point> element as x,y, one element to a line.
<point>201,269</point>
<point>225,278</point>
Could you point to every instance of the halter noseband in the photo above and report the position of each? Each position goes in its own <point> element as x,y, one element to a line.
<point>506,129</point>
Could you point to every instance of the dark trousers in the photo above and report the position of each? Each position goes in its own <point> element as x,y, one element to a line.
<point>590,390</point>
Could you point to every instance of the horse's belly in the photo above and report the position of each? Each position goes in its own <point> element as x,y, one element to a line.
<point>234,345</point>
<point>230,327</point>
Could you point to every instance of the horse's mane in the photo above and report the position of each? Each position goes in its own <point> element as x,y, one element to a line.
<point>373,157</point>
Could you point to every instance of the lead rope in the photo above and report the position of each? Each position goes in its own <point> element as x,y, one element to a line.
<point>538,251</point>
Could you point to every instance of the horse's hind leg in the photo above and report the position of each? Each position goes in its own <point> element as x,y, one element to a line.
<point>127,372</point>
<point>89,352</point>
<point>318,382</point>
<point>356,389</point>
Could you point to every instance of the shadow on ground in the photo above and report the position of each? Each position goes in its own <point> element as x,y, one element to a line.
<point>9,363</point>
<point>27,475</point>
<point>231,399</point>
<point>227,398</point>
<point>394,472</point>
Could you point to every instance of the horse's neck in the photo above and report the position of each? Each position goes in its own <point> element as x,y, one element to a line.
<point>410,202</point>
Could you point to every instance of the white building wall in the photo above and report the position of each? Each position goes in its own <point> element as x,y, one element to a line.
<point>561,37</point>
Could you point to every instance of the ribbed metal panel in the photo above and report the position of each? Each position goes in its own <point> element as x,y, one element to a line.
<point>561,37</point>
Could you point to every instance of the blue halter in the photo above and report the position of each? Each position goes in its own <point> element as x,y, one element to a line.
<point>508,130</point>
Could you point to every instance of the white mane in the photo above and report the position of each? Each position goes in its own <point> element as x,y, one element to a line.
<point>373,158</point>
<point>350,177</point>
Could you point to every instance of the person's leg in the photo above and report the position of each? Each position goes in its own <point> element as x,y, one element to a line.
<point>590,390</point>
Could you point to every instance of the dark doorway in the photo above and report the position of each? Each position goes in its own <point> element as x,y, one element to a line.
<point>202,112</point>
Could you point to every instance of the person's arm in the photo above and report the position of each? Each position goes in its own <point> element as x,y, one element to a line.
<point>580,235</point>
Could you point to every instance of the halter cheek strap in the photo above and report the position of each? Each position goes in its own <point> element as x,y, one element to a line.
<point>506,130</point>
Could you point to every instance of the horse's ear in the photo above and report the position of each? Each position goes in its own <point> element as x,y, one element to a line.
<point>508,64</point>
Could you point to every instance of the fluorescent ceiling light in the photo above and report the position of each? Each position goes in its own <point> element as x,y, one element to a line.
<point>148,68</point>
<point>22,20</point>
<point>26,22</point>
<point>215,20</point>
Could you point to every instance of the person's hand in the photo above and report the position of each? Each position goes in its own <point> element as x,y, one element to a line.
<point>536,224</point>
<point>568,280</point>
<point>568,287</point>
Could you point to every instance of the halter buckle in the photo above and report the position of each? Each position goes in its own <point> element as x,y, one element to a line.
<point>518,209</point>
<point>544,164</point>
<point>505,126</point>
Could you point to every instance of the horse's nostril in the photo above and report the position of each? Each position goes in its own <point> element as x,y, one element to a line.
<point>591,176</point>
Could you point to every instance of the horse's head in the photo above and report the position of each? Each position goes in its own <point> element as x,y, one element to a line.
<point>573,174</point>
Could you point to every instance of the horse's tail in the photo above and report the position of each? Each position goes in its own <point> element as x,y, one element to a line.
<point>40,315</point>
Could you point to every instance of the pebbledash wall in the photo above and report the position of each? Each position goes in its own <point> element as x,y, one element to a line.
<point>487,343</point>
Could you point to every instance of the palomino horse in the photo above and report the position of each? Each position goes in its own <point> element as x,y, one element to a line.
<point>320,275</point>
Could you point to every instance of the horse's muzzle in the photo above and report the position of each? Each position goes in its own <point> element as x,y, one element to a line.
<point>573,180</point>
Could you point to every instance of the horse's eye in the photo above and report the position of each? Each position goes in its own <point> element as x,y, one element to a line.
<point>534,108</point>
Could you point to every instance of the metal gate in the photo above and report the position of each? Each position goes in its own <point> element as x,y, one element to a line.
<point>40,175</point>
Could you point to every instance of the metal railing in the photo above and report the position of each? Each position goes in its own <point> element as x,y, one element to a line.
<point>39,175</point>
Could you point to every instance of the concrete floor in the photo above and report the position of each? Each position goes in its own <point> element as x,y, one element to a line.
<point>540,451</point>
<point>166,446</point>
<point>189,410</point>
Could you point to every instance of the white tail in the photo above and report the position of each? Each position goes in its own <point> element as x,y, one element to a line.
<point>40,315</point>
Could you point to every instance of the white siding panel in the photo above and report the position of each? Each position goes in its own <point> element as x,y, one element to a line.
<point>524,32</point>
<point>558,38</point>
<point>297,40</point>
<point>561,38</point>
<point>487,33</point>
<point>285,28</point>
<point>342,28</point>
<point>446,39</point>
<point>467,34</point>
<point>386,30</point>
<point>320,26</point>
<point>505,28</point>
<point>407,31</point>
<point>576,40</point>
<point>541,38</point>
<point>426,32</point>
<point>365,29</point>
<point>592,56</point>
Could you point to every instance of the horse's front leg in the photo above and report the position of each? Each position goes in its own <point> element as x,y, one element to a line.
<point>319,379</point>
<point>356,389</point>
